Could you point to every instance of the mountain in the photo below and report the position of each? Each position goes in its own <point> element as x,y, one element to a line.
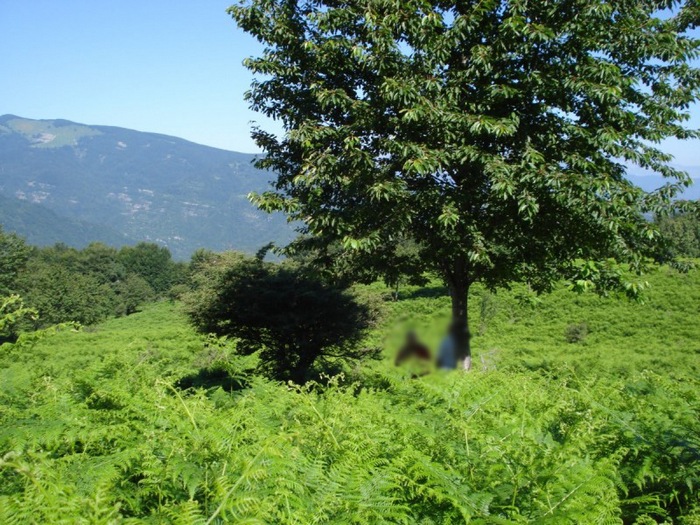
<point>41,226</point>
<point>649,182</point>
<point>121,185</point>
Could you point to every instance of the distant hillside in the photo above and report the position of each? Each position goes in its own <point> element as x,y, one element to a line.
<point>130,185</point>
<point>652,182</point>
<point>41,226</point>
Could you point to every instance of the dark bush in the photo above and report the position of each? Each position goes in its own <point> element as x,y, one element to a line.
<point>287,314</point>
<point>576,333</point>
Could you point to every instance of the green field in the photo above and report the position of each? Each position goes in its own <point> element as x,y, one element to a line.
<point>140,420</point>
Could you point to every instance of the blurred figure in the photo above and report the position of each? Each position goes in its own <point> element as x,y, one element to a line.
<point>412,351</point>
<point>454,349</point>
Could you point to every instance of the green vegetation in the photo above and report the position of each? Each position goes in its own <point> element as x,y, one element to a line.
<point>486,144</point>
<point>14,254</point>
<point>153,264</point>
<point>682,232</point>
<point>288,316</point>
<point>140,420</point>
<point>62,284</point>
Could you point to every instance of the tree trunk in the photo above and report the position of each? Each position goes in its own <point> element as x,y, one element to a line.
<point>459,328</point>
<point>300,370</point>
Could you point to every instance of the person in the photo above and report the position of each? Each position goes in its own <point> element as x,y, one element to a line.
<point>451,353</point>
<point>412,349</point>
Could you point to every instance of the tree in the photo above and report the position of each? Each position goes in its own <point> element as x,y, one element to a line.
<point>132,292</point>
<point>150,261</point>
<point>61,295</point>
<point>14,254</point>
<point>399,264</point>
<point>495,134</point>
<point>12,313</point>
<point>682,232</point>
<point>291,317</point>
<point>101,261</point>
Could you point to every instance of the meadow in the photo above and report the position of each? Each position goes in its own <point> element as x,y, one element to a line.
<point>579,409</point>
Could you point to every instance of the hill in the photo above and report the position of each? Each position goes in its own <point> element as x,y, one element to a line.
<point>140,420</point>
<point>144,186</point>
<point>41,226</point>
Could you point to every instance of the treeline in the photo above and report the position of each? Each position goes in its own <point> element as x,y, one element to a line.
<point>682,233</point>
<point>63,284</point>
<point>298,318</point>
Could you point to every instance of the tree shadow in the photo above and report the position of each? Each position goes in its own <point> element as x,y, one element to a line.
<point>211,378</point>
<point>429,292</point>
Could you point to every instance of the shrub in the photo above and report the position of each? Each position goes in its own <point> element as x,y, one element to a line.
<point>290,316</point>
<point>132,292</point>
<point>681,232</point>
<point>12,313</point>
<point>488,308</point>
<point>576,333</point>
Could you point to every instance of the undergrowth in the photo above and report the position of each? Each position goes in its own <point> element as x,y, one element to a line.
<point>139,420</point>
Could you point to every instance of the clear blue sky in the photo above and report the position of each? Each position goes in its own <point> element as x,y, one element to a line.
<point>170,67</point>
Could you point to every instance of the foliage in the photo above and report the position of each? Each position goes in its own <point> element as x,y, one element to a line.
<point>60,295</point>
<point>14,254</point>
<point>496,135</point>
<point>151,262</point>
<point>286,314</point>
<point>12,313</point>
<point>64,284</point>
<point>131,293</point>
<point>576,333</point>
<point>682,232</point>
<point>398,265</point>
<point>97,426</point>
<point>488,308</point>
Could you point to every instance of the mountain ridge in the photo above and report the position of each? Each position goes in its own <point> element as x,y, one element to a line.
<point>146,186</point>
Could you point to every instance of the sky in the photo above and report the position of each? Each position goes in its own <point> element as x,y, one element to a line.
<point>172,67</point>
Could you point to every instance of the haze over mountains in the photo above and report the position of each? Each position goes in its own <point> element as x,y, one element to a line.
<point>73,183</point>
<point>66,182</point>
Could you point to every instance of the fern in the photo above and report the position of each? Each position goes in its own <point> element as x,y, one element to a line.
<point>98,427</point>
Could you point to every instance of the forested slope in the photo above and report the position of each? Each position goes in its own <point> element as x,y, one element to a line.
<point>579,410</point>
<point>113,182</point>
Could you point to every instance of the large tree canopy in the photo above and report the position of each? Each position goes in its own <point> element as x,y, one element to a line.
<point>495,134</point>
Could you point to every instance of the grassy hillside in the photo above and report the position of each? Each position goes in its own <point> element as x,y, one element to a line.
<point>140,421</point>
